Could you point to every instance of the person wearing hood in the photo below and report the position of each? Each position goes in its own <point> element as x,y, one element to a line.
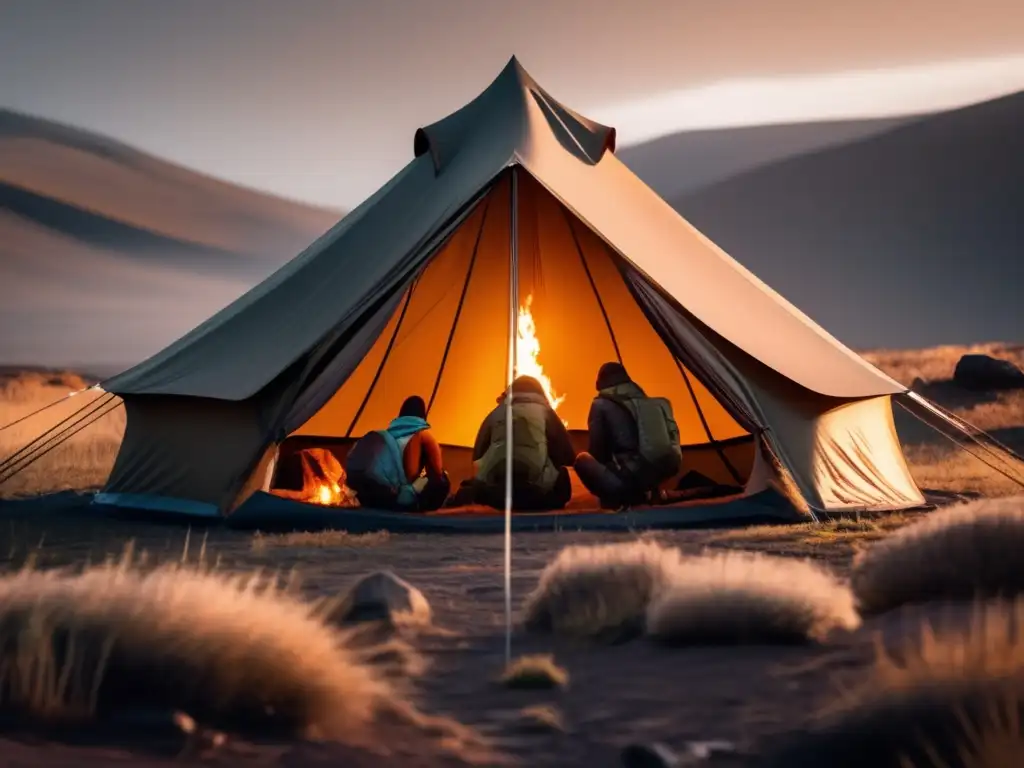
<point>542,453</point>
<point>633,442</point>
<point>400,467</point>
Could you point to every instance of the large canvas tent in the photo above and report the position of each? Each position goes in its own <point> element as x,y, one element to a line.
<point>512,202</point>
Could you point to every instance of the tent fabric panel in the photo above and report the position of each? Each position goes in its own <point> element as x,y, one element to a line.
<point>248,344</point>
<point>715,288</point>
<point>359,347</point>
<point>574,337</point>
<point>245,346</point>
<point>846,457</point>
<point>474,372</point>
<point>842,453</point>
<point>644,353</point>
<point>185,447</point>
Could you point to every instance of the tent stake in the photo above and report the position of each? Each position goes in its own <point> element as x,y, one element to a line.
<point>513,330</point>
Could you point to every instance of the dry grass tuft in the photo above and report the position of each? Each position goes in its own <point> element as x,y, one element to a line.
<point>538,672</point>
<point>233,652</point>
<point>949,699</point>
<point>960,553</point>
<point>599,592</point>
<point>740,597</point>
<point>540,718</point>
<point>320,539</point>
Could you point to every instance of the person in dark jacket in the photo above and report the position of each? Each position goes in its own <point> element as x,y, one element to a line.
<point>542,453</point>
<point>613,433</point>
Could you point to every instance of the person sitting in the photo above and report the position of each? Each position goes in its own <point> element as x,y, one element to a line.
<point>541,453</point>
<point>400,467</point>
<point>633,442</point>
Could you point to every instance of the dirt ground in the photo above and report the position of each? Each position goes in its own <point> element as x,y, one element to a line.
<point>617,695</point>
<point>634,692</point>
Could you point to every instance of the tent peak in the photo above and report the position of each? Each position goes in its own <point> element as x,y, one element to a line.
<point>513,114</point>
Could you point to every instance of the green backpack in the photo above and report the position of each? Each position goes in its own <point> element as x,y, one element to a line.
<point>659,455</point>
<point>530,461</point>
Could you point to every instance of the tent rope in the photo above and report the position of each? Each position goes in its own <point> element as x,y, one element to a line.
<point>458,309</point>
<point>28,460</point>
<point>383,360</point>
<point>964,425</point>
<point>513,329</point>
<point>704,423</point>
<point>961,445</point>
<point>45,436</point>
<point>590,279</point>
<point>36,412</point>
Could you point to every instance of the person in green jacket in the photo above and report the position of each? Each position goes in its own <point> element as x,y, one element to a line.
<point>542,453</point>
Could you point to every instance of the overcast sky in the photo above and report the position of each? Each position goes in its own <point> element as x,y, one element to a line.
<point>318,99</point>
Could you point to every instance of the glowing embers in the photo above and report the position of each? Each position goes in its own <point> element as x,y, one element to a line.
<point>528,351</point>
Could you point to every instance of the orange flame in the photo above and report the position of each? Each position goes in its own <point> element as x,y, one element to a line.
<point>527,351</point>
<point>328,495</point>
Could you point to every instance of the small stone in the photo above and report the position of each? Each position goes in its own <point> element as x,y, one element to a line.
<point>649,756</point>
<point>381,596</point>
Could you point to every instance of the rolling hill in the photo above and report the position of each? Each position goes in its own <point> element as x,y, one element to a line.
<point>107,253</point>
<point>683,162</point>
<point>910,238</point>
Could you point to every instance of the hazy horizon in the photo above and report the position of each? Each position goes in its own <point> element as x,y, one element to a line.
<point>318,103</point>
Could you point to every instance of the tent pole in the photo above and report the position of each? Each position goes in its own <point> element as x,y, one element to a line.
<point>513,330</point>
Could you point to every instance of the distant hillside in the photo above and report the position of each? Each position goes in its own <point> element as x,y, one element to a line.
<point>689,160</point>
<point>910,238</point>
<point>107,253</point>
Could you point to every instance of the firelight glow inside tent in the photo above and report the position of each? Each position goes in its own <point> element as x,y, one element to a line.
<point>512,201</point>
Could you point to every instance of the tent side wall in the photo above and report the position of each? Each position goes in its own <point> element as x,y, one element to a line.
<point>843,454</point>
<point>182,454</point>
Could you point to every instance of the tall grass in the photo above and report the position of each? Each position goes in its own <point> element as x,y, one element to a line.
<point>599,591</point>
<point>960,553</point>
<point>617,591</point>
<point>740,597</point>
<point>950,698</point>
<point>234,652</point>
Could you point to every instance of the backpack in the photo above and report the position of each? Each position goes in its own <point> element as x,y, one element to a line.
<point>659,455</point>
<point>375,470</point>
<point>530,463</point>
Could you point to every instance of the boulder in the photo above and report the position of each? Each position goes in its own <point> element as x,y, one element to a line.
<point>381,596</point>
<point>982,373</point>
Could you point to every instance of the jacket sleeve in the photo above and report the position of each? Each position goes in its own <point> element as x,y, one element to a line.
<point>483,438</point>
<point>597,425</point>
<point>560,448</point>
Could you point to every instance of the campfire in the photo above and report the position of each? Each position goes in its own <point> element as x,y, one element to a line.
<point>527,352</point>
<point>323,480</point>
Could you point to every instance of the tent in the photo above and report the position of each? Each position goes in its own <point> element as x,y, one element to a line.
<point>514,207</point>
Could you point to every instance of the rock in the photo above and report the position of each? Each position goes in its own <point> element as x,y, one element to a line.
<point>981,373</point>
<point>381,596</point>
<point>649,756</point>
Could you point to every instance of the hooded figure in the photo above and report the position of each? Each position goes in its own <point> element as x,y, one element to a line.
<point>633,441</point>
<point>400,467</point>
<point>541,453</point>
